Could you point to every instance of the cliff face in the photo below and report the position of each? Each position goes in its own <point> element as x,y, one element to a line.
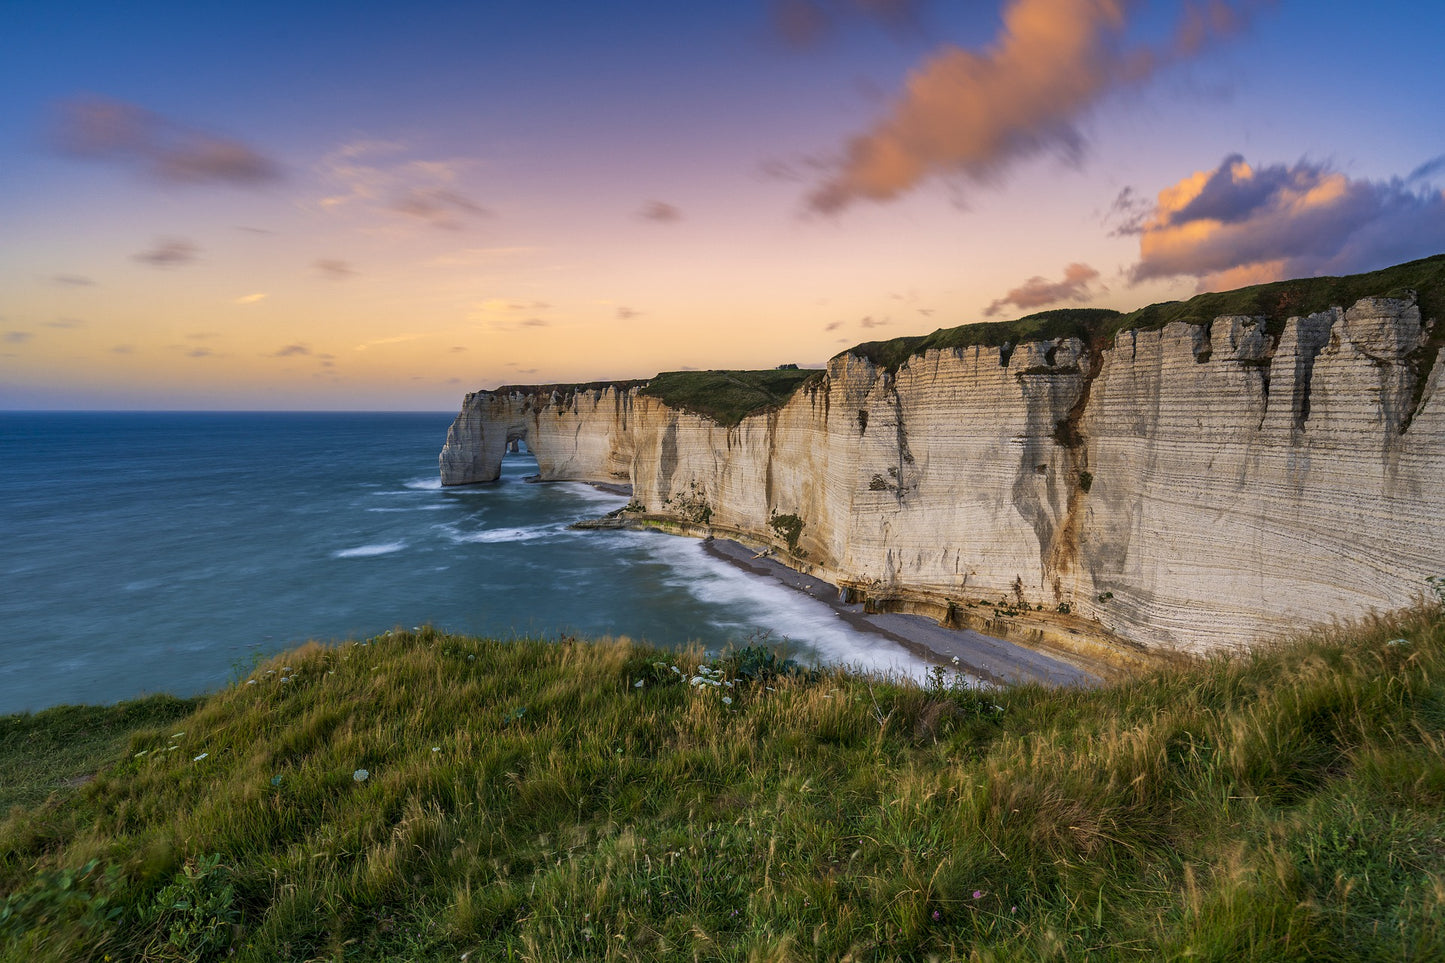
<point>1191,487</point>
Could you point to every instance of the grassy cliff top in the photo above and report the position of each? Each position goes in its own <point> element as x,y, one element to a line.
<point>728,397</point>
<point>1277,302</point>
<point>427,796</point>
<point>567,389</point>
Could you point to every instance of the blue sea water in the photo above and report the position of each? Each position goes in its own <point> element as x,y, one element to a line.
<point>156,552</point>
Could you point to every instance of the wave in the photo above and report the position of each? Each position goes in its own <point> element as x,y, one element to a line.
<point>429,507</point>
<point>366,551</point>
<point>426,483</point>
<point>527,533</point>
<point>784,612</point>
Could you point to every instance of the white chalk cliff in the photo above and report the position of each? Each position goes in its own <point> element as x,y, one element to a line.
<point>1190,487</point>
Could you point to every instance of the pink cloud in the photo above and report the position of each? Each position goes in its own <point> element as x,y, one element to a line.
<point>1238,224</point>
<point>973,114</point>
<point>1037,292</point>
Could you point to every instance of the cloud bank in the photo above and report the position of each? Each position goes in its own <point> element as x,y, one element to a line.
<point>1238,225</point>
<point>1037,292</point>
<point>100,128</point>
<point>974,114</point>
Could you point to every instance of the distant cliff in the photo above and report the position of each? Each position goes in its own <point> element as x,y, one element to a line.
<point>1163,477</point>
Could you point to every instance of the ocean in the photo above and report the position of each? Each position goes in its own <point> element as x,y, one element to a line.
<point>161,552</point>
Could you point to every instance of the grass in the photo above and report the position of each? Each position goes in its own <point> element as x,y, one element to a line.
<point>47,751</point>
<point>1277,302</point>
<point>581,800</point>
<point>728,397</point>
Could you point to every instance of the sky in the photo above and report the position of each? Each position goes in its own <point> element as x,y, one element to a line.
<point>383,206</point>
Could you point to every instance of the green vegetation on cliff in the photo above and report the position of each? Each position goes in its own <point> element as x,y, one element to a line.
<point>1277,302</point>
<point>426,796</point>
<point>727,397</point>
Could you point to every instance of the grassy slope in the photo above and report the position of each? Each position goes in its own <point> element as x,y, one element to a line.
<point>532,801</point>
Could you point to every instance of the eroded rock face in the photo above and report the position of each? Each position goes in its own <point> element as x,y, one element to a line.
<point>1191,487</point>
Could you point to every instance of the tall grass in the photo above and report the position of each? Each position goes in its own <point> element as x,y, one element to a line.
<point>603,800</point>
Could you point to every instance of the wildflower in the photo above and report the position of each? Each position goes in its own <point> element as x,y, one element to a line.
<point>436,748</point>
<point>360,775</point>
<point>1398,642</point>
<point>639,684</point>
<point>141,753</point>
<point>200,757</point>
<point>250,681</point>
<point>978,894</point>
<point>955,660</point>
<point>727,700</point>
<point>1013,909</point>
<point>177,735</point>
<point>937,916</point>
<point>276,780</point>
<point>676,670</point>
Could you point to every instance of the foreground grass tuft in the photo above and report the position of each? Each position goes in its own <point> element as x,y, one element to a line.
<point>426,796</point>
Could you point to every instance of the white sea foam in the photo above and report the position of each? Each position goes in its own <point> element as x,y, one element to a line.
<point>428,507</point>
<point>488,535</point>
<point>785,611</point>
<point>428,483</point>
<point>365,551</point>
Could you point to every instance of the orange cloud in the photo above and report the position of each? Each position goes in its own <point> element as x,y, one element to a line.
<point>1239,224</point>
<point>974,114</point>
<point>1037,291</point>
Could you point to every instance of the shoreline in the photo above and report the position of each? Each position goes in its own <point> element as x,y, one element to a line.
<point>981,657</point>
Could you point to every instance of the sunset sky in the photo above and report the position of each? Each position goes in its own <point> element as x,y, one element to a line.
<point>382,206</point>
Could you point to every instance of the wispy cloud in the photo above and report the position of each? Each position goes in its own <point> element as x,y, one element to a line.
<point>17,337</point>
<point>660,212</point>
<point>871,322</point>
<point>377,176</point>
<point>72,280</point>
<point>290,351</point>
<point>65,323</point>
<point>334,269</point>
<point>395,339</point>
<point>973,114</point>
<point>1237,224</point>
<point>169,252</point>
<point>251,298</point>
<point>101,128</point>
<point>627,314</point>
<point>1037,292</point>
<point>439,207</point>
<point>832,326</point>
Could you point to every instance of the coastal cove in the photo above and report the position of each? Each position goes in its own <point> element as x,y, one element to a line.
<point>163,552</point>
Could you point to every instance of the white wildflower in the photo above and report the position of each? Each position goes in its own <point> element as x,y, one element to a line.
<point>727,700</point>
<point>360,775</point>
<point>639,683</point>
<point>200,757</point>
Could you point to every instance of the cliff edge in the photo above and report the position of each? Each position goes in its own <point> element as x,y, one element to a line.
<point>1162,477</point>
